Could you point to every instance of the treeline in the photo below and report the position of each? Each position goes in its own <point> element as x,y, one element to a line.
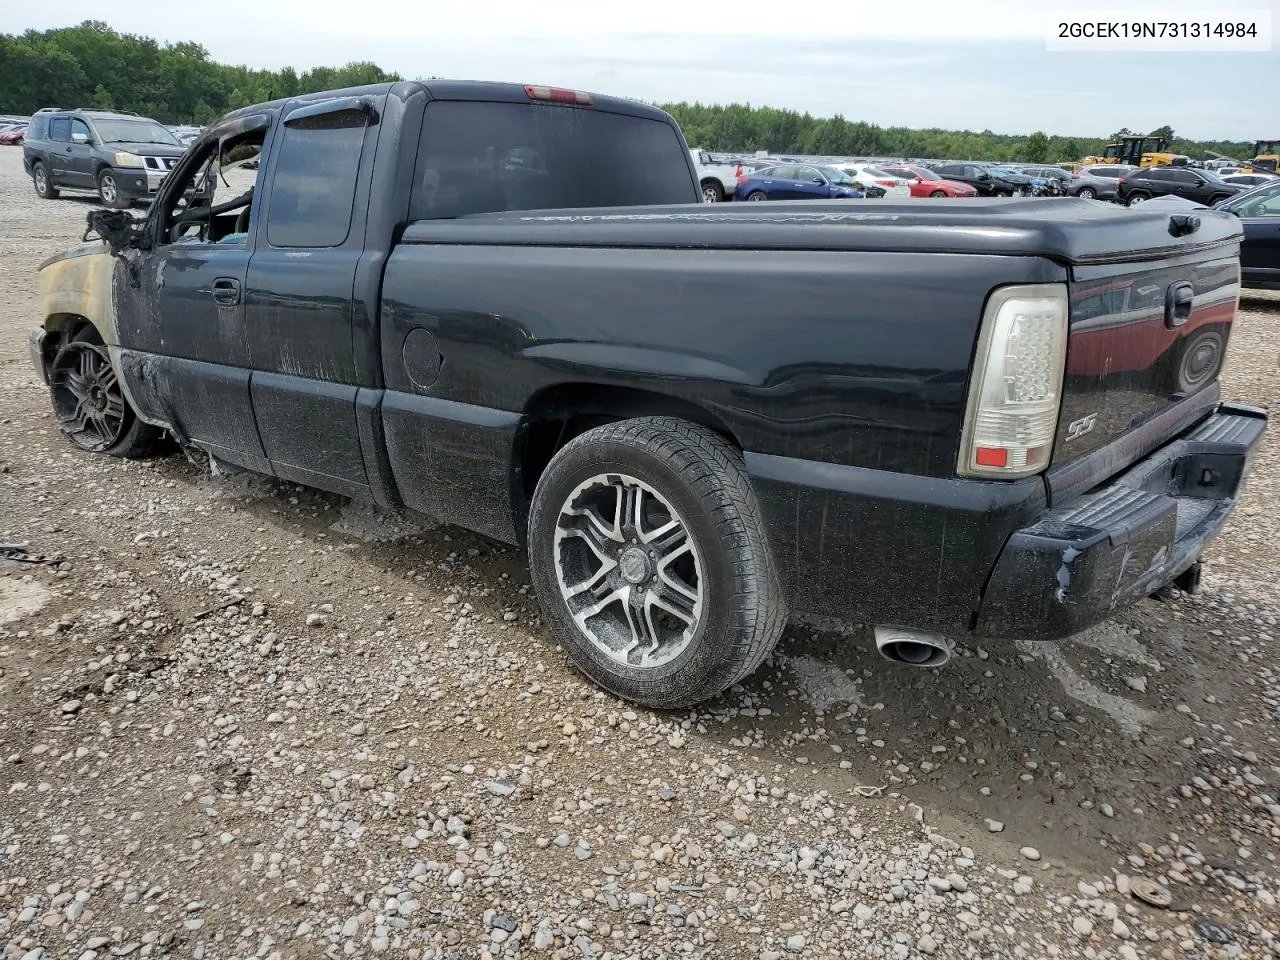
<point>94,66</point>
<point>740,128</point>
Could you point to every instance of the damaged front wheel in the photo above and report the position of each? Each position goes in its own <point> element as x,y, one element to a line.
<point>90,404</point>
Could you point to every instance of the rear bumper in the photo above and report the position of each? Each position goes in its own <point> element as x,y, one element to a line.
<point>973,558</point>
<point>1079,564</point>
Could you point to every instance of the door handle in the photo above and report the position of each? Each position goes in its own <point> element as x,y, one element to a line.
<point>68,149</point>
<point>1177,304</point>
<point>226,291</point>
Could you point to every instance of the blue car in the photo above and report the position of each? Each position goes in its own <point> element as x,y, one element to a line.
<point>788,181</point>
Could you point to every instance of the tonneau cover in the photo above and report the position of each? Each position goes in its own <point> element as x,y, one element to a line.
<point>1067,229</point>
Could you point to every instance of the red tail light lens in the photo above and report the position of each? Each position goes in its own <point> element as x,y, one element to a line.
<point>742,179</point>
<point>737,171</point>
<point>1119,181</point>
<point>887,183</point>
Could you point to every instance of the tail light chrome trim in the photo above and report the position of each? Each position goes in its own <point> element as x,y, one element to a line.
<point>1015,390</point>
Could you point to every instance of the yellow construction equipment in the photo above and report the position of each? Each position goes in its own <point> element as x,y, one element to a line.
<point>1138,152</point>
<point>1266,156</point>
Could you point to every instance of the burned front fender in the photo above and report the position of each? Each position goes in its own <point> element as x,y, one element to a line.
<point>75,286</point>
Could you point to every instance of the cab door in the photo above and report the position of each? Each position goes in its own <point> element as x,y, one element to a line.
<point>299,292</point>
<point>79,156</point>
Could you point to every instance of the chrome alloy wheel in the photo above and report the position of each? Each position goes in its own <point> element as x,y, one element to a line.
<point>628,570</point>
<point>87,397</point>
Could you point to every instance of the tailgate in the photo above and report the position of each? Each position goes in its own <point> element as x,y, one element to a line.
<point>1146,345</point>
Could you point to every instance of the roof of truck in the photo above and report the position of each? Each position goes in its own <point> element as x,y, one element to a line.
<point>446,90</point>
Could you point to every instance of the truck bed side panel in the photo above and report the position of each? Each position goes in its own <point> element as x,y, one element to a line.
<point>851,358</point>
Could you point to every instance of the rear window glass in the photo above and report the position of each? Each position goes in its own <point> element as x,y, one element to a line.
<point>477,157</point>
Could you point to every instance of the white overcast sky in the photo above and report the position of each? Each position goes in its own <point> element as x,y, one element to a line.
<point>946,63</point>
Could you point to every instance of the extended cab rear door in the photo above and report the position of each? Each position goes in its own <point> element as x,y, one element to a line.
<point>299,292</point>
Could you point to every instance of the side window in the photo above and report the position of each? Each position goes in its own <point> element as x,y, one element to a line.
<point>80,131</point>
<point>808,173</point>
<point>60,129</point>
<point>314,185</point>
<point>214,202</point>
<point>783,173</point>
<point>39,127</point>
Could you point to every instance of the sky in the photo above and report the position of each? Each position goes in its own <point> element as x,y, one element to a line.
<point>925,63</point>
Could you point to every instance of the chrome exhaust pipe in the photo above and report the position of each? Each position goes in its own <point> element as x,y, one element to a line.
<point>912,647</point>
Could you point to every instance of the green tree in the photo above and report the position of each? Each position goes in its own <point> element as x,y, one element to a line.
<point>1036,149</point>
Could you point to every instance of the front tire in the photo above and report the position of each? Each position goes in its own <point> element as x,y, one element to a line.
<point>1135,198</point>
<point>938,193</point>
<point>109,190</point>
<point>92,410</point>
<point>649,556</point>
<point>757,197</point>
<point>40,177</point>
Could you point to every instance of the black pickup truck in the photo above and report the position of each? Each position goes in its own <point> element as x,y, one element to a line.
<point>504,306</point>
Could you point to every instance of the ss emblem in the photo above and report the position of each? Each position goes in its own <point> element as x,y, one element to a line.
<point>1078,428</point>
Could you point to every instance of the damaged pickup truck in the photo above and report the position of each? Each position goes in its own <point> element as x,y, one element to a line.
<point>504,306</point>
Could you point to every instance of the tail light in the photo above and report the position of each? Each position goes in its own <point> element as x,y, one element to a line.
<point>737,172</point>
<point>558,95</point>
<point>887,183</point>
<point>1016,388</point>
<point>743,179</point>
<point>1119,181</point>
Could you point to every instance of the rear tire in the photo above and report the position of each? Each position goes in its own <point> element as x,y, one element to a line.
<point>43,182</point>
<point>92,410</point>
<point>1088,193</point>
<point>756,197</point>
<point>676,607</point>
<point>711,192</point>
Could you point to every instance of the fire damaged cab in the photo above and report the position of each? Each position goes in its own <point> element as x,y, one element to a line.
<point>505,307</point>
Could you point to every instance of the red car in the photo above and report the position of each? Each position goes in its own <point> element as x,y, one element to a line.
<point>11,138</point>
<point>926,183</point>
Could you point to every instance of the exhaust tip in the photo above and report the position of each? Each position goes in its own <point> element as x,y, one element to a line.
<point>912,647</point>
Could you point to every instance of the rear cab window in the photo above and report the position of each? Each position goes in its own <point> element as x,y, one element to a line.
<point>314,184</point>
<point>488,157</point>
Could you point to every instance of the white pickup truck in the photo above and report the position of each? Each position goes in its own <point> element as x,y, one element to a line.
<point>716,180</point>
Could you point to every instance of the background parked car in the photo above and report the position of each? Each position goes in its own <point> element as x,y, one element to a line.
<point>1243,179</point>
<point>979,177</point>
<point>865,176</point>
<point>1199,186</point>
<point>796,182</point>
<point>923,182</point>
<point>1020,184</point>
<point>1055,178</point>
<point>1259,213</point>
<point>1099,182</point>
<point>123,157</point>
<point>717,176</point>
<point>14,135</point>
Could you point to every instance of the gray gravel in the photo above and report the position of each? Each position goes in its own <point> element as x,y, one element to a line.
<point>245,719</point>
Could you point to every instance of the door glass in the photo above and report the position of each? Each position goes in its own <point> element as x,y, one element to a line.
<point>314,185</point>
<point>217,201</point>
<point>60,129</point>
<point>80,131</point>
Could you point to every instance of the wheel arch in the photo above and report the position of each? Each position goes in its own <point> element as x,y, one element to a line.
<point>559,413</point>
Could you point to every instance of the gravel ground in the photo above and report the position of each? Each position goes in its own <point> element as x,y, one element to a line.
<point>247,719</point>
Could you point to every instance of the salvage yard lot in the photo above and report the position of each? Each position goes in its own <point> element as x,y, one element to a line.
<point>245,718</point>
